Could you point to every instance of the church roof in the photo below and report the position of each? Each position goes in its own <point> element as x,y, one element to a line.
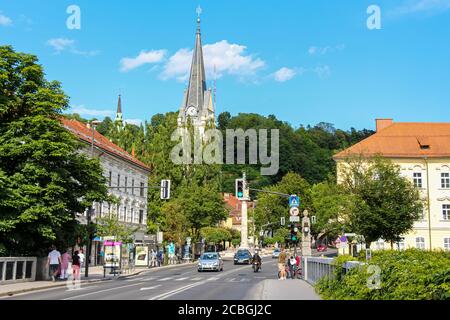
<point>119,105</point>
<point>197,79</point>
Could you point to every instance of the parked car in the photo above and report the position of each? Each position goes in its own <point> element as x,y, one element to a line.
<point>276,253</point>
<point>210,261</point>
<point>321,248</point>
<point>243,257</point>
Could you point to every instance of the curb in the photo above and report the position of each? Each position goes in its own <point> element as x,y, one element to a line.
<point>18,291</point>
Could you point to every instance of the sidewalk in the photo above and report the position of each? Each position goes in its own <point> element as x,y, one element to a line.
<point>95,275</point>
<point>283,290</point>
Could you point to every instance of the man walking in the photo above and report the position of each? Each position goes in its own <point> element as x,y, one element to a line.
<point>82,258</point>
<point>282,264</point>
<point>53,261</point>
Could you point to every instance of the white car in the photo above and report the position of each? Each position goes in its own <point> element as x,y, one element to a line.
<point>210,261</point>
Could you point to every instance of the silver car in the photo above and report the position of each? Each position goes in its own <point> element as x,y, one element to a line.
<point>210,261</point>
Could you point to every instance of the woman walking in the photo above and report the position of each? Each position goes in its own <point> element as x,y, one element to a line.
<point>76,267</point>
<point>65,259</point>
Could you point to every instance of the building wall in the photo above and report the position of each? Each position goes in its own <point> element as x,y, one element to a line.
<point>429,171</point>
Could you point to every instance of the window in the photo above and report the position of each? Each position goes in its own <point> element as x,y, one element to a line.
<point>100,209</point>
<point>142,189</point>
<point>420,243</point>
<point>445,180</point>
<point>110,178</point>
<point>132,186</point>
<point>401,244</point>
<point>126,184</point>
<point>445,212</point>
<point>380,244</point>
<point>447,244</point>
<point>118,182</point>
<point>125,218</point>
<point>141,216</point>
<point>422,214</point>
<point>109,208</point>
<point>417,179</point>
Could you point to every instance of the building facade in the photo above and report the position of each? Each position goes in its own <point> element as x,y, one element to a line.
<point>127,179</point>
<point>422,151</point>
<point>197,104</point>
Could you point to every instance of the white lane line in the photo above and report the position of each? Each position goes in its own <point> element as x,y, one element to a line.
<point>244,280</point>
<point>196,279</point>
<point>231,280</point>
<point>150,288</point>
<point>165,279</point>
<point>212,279</point>
<point>135,279</point>
<point>105,290</point>
<point>176,291</point>
<point>181,279</point>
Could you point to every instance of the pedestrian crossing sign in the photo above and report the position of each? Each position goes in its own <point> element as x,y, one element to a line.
<point>294,201</point>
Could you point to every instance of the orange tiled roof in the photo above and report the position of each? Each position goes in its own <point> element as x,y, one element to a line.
<point>234,207</point>
<point>100,141</point>
<point>405,140</point>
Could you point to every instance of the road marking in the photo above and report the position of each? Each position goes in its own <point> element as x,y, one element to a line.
<point>196,279</point>
<point>165,279</point>
<point>231,280</point>
<point>150,288</point>
<point>176,291</point>
<point>135,279</point>
<point>212,279</point>
<point>244,280</point>
<point>181,279</point>
<point>105,290</point>
<point>82,288</point>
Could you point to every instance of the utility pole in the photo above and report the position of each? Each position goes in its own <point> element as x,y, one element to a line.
<point>244,220</point>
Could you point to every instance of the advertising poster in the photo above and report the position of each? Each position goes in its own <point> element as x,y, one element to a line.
<point>141,256</point>
<point>112,254</point>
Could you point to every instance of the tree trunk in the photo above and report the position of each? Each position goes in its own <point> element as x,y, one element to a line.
<point>392,245</point>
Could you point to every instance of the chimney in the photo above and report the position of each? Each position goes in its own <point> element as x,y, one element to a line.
<point>383,123</point>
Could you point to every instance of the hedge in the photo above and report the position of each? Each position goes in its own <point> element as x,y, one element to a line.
<point>405,275</point>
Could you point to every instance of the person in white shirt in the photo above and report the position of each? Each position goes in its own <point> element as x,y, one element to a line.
<point>53,261</point>
<point>82,258</point>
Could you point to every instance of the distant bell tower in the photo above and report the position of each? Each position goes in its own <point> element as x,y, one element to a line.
<point>119,120</point>
<point>197,102</point>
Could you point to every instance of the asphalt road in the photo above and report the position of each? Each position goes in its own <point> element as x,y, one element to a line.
<point>184,282</point>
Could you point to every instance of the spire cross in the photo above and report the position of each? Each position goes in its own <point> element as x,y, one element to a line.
<point>199,11</point>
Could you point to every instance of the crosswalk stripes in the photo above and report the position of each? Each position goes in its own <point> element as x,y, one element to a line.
<point>193,279</point>
<point>165,279</point>
<point>181,279</point>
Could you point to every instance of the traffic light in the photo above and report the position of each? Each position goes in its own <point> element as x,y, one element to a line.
<point>165,189</point>
<point>294,235</point>
<point>240,189</point>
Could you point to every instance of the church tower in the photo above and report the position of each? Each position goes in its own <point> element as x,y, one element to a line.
<point>197,102</point>
<point>119,121</point>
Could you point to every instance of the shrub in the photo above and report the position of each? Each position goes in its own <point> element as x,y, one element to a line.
<point>405,275</point>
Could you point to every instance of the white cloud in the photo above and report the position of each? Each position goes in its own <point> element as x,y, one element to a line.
<point>82,110</point>
<point>136,122</point>
<point>322,71</point>
<point>415,6</point>
<point>144,57</point>
<point>4,20</point>
<point>284,74</point>
<point>227,58</point>
<point>313,50</point>
<point>63,44</point>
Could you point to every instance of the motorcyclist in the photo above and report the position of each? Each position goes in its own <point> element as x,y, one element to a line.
<point>257,258</point>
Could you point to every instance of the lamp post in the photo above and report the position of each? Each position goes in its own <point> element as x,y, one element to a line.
<point>93,123</point>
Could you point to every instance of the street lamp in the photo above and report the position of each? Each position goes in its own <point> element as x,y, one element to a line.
<point>93,124</point>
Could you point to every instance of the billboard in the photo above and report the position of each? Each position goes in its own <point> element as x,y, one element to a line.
<point>112,254</point>
<point>141,256</point>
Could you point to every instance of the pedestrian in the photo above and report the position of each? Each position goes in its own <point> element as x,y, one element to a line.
<point>159,258</point>
<point>282,264</point>
<point>76,265</point>
<point>292,265</point>
<point>154,261</point>
<point>53,261</point>
<point>82,258</point>
<point>65,259</point>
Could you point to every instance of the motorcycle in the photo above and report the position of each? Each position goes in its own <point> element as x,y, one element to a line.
<point>256,266</point>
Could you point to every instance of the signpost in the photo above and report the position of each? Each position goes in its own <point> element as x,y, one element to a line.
<point>294,201</point>
<point>294,211</point>
<point>294,218</point>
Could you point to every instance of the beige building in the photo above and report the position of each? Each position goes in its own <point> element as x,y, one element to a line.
<point>422,151</point>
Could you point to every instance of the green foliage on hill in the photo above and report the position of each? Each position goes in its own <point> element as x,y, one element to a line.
<point>405,275</point>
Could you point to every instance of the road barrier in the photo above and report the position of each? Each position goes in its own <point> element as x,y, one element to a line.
<point>17,269</point>
<point>315,268</point>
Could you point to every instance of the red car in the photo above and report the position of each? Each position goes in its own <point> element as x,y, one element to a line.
<point>321,248</point>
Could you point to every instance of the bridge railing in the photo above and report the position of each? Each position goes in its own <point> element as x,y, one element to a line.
<point>315,268</point>
<point>17,269</point>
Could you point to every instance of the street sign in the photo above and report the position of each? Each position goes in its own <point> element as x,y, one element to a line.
<point>294,211</point>
<point>294,201</point>
<point>283,221</point>
<point>350,234</point>
<point>165,190</point>
<point>343,239</point>
<point>294,219</point>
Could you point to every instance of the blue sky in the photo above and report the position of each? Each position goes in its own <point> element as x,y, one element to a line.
<point>304,61</point>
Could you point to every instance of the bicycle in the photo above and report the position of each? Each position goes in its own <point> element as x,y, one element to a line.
<point>297,273</point>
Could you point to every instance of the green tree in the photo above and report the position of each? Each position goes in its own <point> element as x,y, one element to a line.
<point>45,179</point>
<point>110,226</point>
<point>388,203</point>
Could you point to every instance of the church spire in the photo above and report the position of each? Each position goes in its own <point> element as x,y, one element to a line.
<point>197,79</point>
<point>119,113</point>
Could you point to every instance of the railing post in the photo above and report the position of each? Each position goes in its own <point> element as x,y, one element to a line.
<point>306,268</point>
